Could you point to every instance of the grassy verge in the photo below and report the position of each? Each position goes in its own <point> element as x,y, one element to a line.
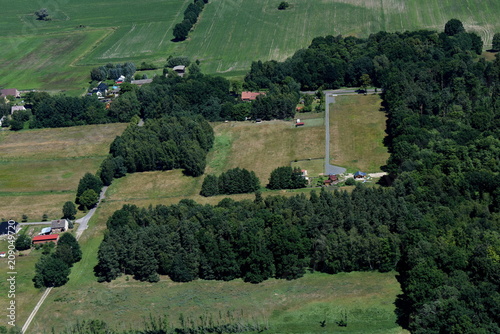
<point>357,130</point>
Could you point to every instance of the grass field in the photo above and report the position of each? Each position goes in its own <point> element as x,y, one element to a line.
<point>230,34</point>
<point>357,129</point>
<point>40,169</point>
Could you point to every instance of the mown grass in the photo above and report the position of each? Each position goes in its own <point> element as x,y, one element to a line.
<point>357,130</point>
<point>40,169</point>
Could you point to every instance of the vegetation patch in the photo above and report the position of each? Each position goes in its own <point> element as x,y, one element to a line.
<point>357,127</point>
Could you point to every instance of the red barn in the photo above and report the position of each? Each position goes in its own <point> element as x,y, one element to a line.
<point>41,239</point>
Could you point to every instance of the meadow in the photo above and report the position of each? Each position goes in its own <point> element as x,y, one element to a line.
<point>357,130</point>
<point>40,169</point>
<point>58,54</point>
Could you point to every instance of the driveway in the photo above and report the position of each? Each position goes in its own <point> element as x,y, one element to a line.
<point>329,169</point>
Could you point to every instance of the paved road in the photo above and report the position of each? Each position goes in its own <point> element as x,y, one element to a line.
<point>329,169</point>
<point>346,91</point>
<point>35,223</point>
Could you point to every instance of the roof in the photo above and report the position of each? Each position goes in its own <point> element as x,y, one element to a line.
<point>4,227</point>
<point>179,68</point>
<point>17,108</point>
<point>59,223</point>
<point>50,237</point>
<point>141,82</point>
<point>102,86</point>
<point>250,95</point>
<point>358,173</point>
<point>10,91</point>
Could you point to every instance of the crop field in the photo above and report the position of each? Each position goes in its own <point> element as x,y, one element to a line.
<point>230,34</point>
<point>40,169</point>
<point>357,131</point>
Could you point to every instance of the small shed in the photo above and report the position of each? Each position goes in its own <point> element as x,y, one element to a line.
<point>299,124</point>
<point>42,239</point>
<point>359,175</point>
<point>180,70</point>
<point>59,225</point>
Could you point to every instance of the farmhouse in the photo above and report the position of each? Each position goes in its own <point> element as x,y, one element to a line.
<point>332,179</point>
<point>59,225</point>
<point>101,90</point>
<point>12,92</point>
<point>250,96</point>
<point>42,239</point>
<point>359,175</point>
<point>5,227</point>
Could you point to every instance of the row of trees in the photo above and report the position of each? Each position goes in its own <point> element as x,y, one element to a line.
<point>113,71</point>
<point>233,181</point>
<point>181,30</point>
<point>287,178</point>
<point>272,237</point>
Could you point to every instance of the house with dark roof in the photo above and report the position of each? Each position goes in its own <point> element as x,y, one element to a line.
<point>59,225</point>
<point>42,239</point>
<point>8,227</point>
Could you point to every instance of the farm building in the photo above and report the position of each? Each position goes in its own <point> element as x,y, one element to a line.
<point>3,254</point>
<point>141,82</point>
<point>250,96</point>
<point>5,227</point>
<point>332,179</point>
<point>59,225</point>
<point>359,175</point>
<point>299,124</point>
<point>42,239</point>
<point>180,70</point>
<point>9,92</point>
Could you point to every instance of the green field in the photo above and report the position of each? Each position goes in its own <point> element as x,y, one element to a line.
<point>230,34</point>
<point>40,169</point>
<point>357,130</point>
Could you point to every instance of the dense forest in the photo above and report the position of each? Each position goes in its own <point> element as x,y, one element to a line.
<point>437,222</point>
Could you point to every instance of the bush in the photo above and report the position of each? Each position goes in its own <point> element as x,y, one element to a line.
<point>350,182</point>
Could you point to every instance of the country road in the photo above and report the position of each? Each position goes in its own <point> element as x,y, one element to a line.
<point>329,169</point>
<point>82,227</point>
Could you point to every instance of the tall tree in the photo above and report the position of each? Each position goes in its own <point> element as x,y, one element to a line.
<point>69,210</point>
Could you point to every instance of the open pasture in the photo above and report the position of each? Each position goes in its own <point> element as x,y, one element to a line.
<point>262,147</point>
<point>230,34</point>
<point>40,169</point>
<point>357,131</point>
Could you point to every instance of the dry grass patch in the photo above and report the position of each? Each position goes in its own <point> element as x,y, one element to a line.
<point>80,141</point>
<point>261,147</point>
<point>34,206</point>
<point>357,130</point>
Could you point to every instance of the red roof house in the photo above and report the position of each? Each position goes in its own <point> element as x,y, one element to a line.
<point>41,239</point>
<point>250,96</point>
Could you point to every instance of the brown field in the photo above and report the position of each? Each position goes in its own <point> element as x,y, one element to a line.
<point>40,169</point>
<point>357,130</point>
<point>261,147</point>
<point>72,142</point>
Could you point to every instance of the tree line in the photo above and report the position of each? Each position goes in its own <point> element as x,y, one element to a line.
<point>233,181</point>
<point>256,240</point>
<point>191,14</point>
<point>113,71</point>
